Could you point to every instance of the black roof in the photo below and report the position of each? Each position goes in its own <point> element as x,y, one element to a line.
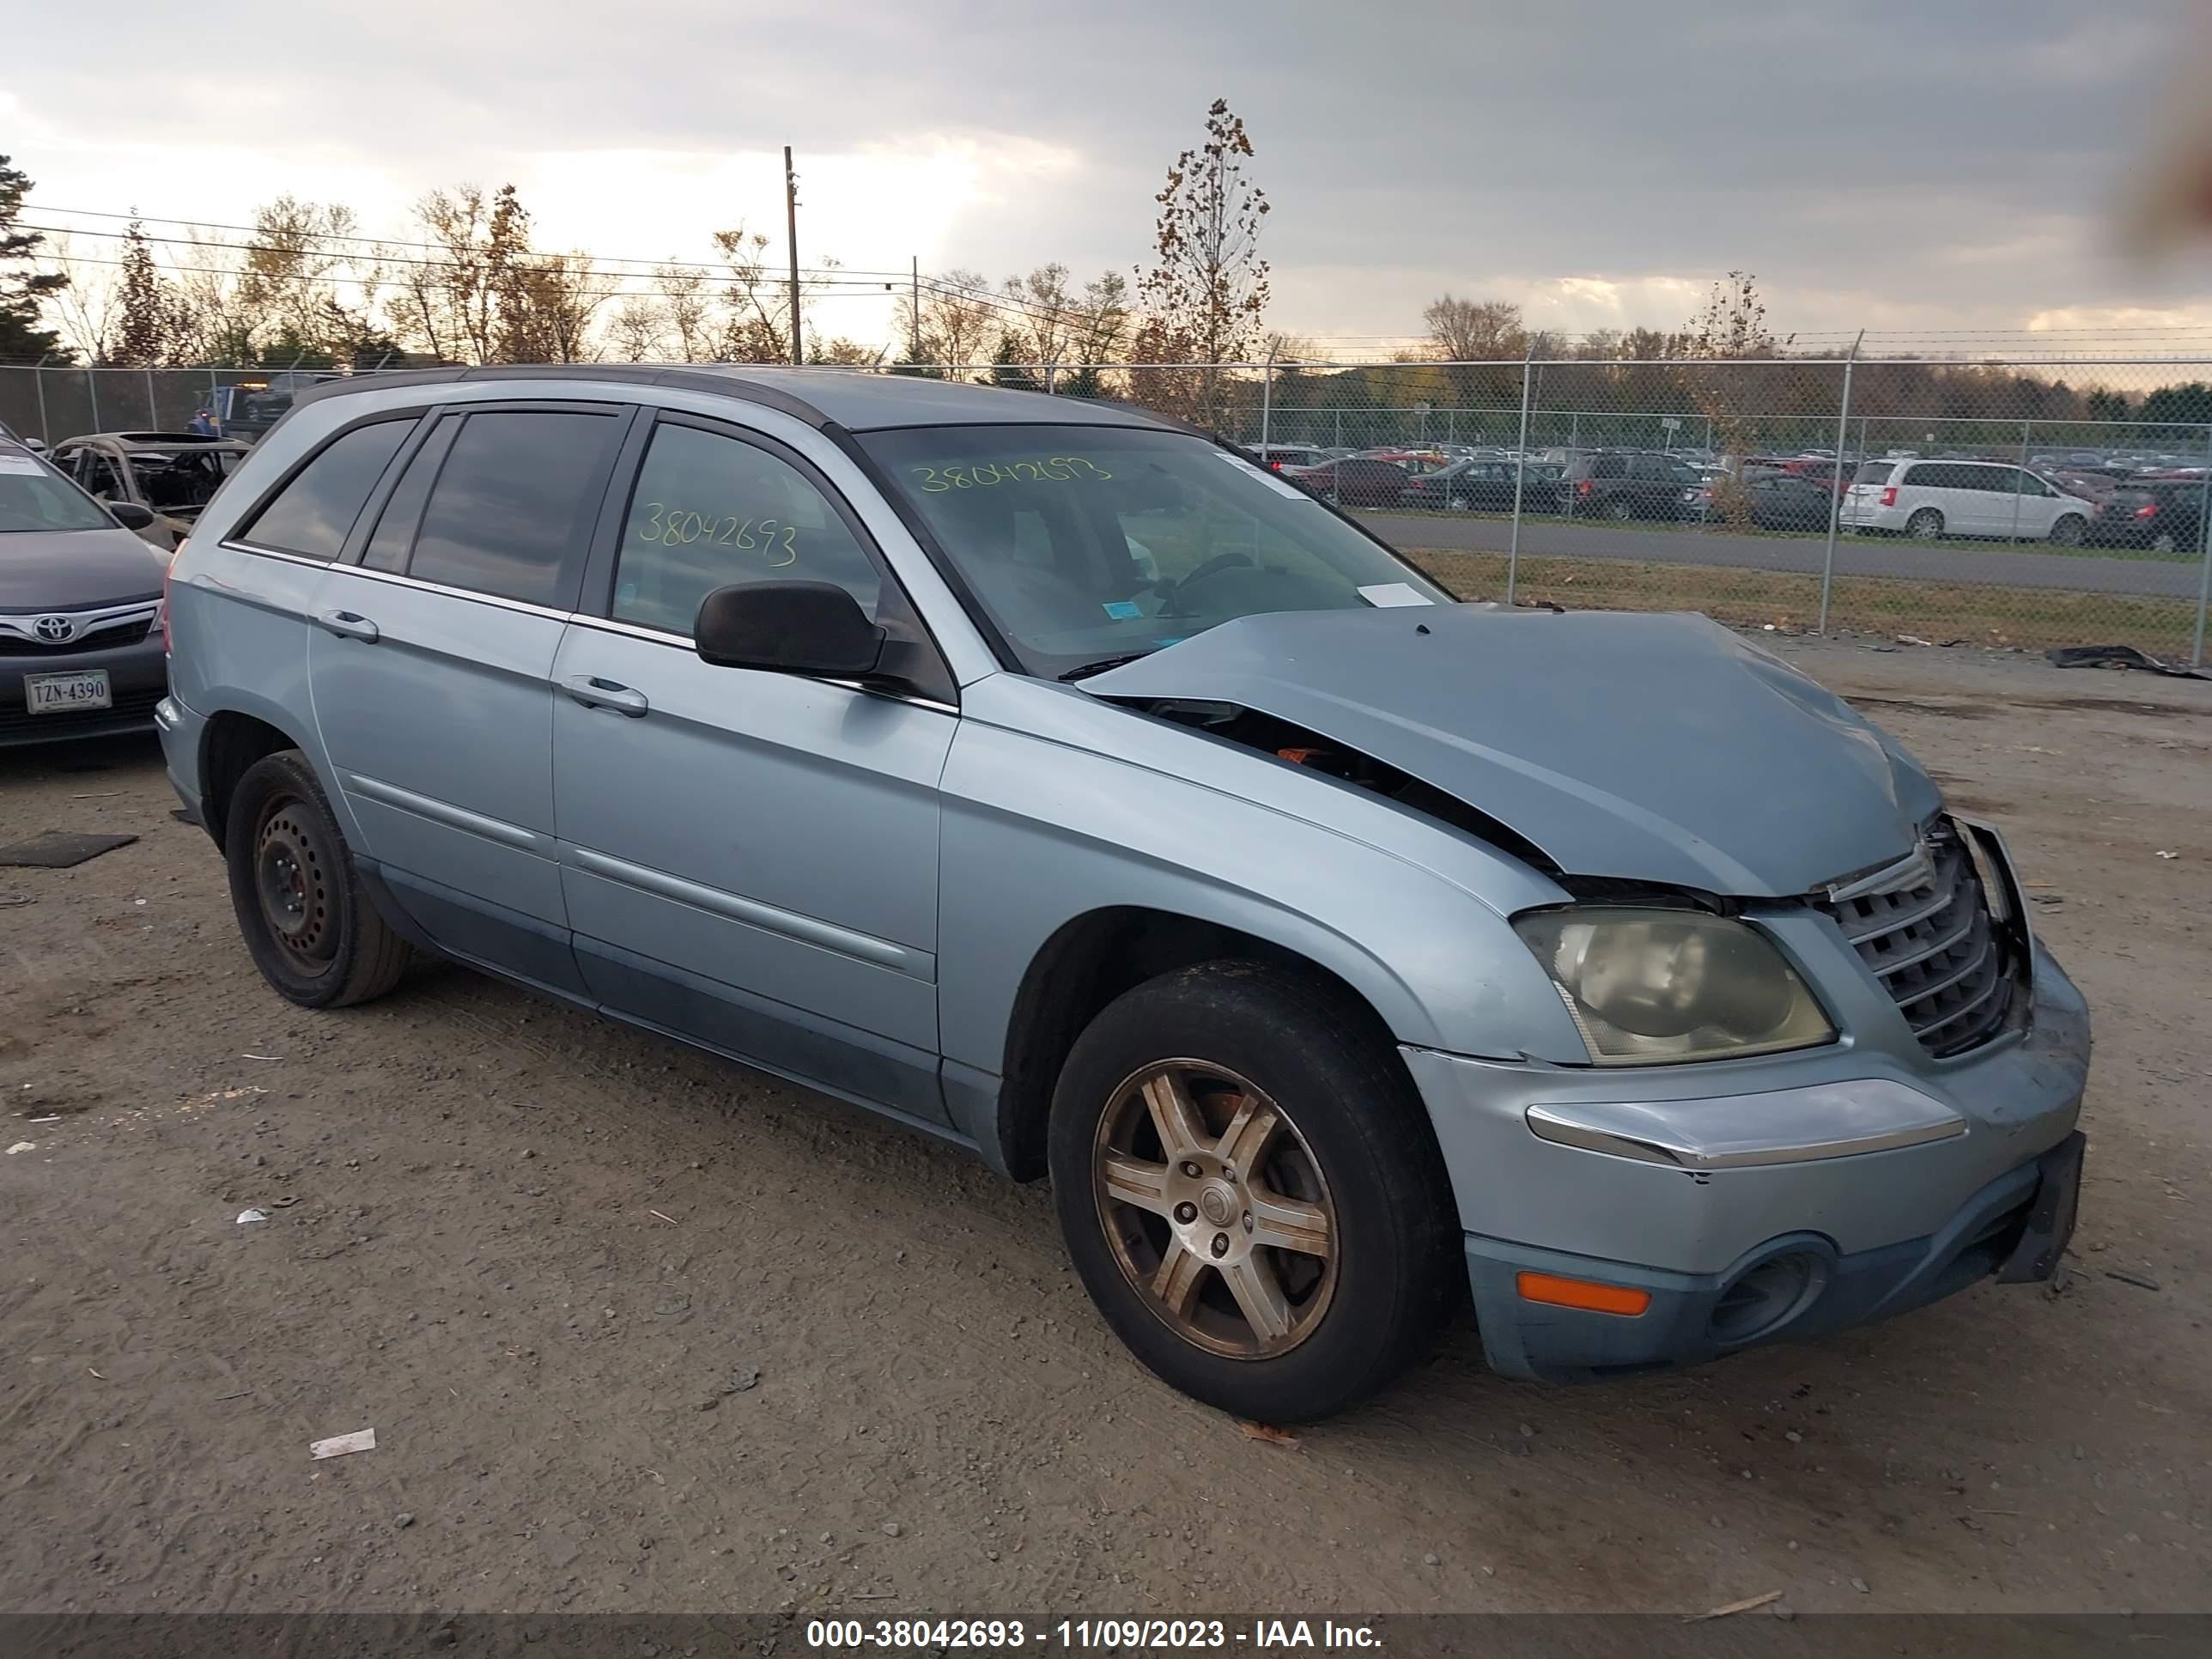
<point>855,399</point>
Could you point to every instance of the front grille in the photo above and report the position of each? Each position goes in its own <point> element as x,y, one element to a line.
<point>12,645</point>
<point>17,721</point>
<point>1936,950</point>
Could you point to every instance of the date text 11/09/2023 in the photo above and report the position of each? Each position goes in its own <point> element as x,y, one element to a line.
<point>1085,1635</point>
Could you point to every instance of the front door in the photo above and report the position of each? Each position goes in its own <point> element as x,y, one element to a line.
<point>430,662</point>
<point>749,859</point>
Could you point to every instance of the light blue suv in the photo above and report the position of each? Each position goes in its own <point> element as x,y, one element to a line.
<point>1056,780</point>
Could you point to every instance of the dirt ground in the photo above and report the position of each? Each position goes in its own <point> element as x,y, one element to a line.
<point>640,1331</point>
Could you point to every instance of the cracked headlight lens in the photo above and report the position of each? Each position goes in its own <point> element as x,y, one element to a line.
<point>1646,986</point>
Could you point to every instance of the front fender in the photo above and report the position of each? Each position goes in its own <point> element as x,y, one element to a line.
<point>1057,804</point>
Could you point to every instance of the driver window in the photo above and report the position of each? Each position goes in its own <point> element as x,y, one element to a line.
<point>710,510</point>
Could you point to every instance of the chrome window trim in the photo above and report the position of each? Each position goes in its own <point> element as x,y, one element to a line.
<point>574,619</point>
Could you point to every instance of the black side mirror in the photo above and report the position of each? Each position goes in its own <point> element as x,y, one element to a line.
<point>788,627</point>
<point>130,514</point>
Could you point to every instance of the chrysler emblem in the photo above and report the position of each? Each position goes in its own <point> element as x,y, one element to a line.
<point>55,631</point>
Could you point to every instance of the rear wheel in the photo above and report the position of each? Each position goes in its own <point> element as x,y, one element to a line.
<point>1248,1187</point>
<point>1460,504</point>
<point>2163,542</point>
<point>2068,531</point>
<point>1925,525</point>
<point>1619,510</point>
<point>311,929</point>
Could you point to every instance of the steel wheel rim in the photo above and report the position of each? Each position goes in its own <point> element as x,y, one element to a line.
<point>291,882</point>
<point>1216,1209</point>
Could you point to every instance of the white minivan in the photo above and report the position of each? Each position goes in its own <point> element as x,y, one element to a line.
<point>1928,499</point>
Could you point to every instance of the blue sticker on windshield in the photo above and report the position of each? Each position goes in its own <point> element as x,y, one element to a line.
<point>1123,610</point>
<point>1177,640</point>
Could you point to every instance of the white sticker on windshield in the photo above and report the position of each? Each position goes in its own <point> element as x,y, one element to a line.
<point>1280,486</point>
<point>1386,595</point>
<point>20,464</point>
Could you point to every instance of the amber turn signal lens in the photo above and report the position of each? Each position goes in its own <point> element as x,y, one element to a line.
<point>1582,1293</point>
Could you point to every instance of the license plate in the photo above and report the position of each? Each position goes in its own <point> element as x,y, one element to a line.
<point>61,694</point>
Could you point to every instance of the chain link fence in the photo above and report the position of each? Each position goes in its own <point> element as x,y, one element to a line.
<point>2026,504</point>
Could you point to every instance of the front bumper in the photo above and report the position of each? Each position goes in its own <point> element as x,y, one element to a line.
<point>138,673</point>
<point>1960,1156</point>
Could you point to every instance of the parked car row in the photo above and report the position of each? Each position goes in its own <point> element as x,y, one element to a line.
<point>81,636</point>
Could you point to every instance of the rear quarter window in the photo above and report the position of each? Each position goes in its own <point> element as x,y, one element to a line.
<point>312,513</point>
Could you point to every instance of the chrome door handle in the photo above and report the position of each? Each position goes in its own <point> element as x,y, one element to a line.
<point>350,625</point>
<point>595,693</point>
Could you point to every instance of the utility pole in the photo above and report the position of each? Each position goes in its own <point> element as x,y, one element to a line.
<point>914,317</point>
<point>790,230</point>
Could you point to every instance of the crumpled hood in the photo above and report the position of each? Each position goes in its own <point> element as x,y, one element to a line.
<point>76,569</point>
<point>1653,748</point>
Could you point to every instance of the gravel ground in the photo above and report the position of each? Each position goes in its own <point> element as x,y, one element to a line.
<point>637,1330</point>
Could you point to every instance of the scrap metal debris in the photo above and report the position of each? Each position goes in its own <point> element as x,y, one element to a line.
<point>2120,656</point>
<point>1269,1434</point>
<point>1744,1606</point>
<point>60,849</point>
<point>339,1444</point>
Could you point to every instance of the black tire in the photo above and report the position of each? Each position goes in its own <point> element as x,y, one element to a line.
<point>1397,1270</point>
<point>311,930</point>
<point>1925,525</point>
<point>2068,531</point>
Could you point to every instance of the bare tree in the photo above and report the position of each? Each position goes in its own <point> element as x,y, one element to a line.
<point>148,311</point>
<point>685,310</point>
<point>1731,325</point>
<point>1048,318</point>
<point>85,303</point>
<point>755,302</point>
<point>634,330</point>
<point>1209,289</point>
<point>449,302</point>
<point>1474,331</point>
<point>959,320</point>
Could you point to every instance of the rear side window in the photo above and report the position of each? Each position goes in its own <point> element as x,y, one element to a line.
<point>1933,476</point>
<point>1609,466</point>
<point>394,539</point>
<point>313,513</point>
<point>1872,472</point>
<point>509,514</point>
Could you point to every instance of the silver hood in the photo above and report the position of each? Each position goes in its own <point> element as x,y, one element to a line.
<point>1653,748</point>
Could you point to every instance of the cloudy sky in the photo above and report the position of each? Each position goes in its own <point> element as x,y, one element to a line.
<point>1917,168</point>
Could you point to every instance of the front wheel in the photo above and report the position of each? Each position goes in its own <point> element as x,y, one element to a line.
<point>311,930</point>
<point>1249,1188</point>
<point>2068,531</point>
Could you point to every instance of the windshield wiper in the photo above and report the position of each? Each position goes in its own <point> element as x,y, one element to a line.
<point>1103,664</point>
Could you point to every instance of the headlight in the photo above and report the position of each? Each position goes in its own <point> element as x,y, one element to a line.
<point>1645,987</point>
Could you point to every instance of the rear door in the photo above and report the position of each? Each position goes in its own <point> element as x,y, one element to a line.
<point>430,666</point>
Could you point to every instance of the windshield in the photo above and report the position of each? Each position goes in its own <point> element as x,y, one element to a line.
<point>33,496</point>
<point>1087,543</point>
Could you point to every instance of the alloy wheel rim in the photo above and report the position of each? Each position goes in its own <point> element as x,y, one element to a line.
<point>1216,1209</point>
<point>291,881</point>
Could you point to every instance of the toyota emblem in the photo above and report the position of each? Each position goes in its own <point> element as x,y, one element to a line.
<point>55,631</point>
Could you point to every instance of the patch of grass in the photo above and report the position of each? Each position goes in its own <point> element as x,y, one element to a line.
<point>2031,619</point>
<point>1845,538</point>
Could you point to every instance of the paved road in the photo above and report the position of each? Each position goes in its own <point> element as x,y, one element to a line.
<point>1989,563</point>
